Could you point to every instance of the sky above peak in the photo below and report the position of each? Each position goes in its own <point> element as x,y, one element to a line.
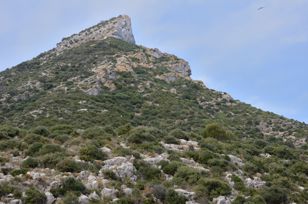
<point>259,56</point>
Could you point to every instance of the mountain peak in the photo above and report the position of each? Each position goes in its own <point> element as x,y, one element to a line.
<point>117,27</point>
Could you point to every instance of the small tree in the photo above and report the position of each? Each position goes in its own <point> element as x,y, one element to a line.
<point>216,131</point>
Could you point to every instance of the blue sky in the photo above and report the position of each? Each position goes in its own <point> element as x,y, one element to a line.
<point>259,57</point>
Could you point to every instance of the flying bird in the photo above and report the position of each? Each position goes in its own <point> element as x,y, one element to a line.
<point>260,8</point>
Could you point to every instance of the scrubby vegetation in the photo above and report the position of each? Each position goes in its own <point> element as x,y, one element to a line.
<point>144,134</point>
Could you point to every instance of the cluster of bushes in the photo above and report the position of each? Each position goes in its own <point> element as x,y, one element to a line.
<point>167,196</point>
<point>68,185</point>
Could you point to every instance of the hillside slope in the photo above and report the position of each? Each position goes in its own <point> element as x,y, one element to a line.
<point>100,119</point>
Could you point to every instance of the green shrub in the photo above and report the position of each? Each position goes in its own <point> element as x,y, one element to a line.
<point>257,199</point>
<point>30,162</point>
<point>124,129</point>
<point>69,185</point>
<point>50,148</point>
<point>146,171</point>
<point>177,133</point>
<point>17,172</point>
<point>281,151</point>
<point>141,135</point>
<point>171,140</point>
<point>186,175</point>
<point>213,188</point>
<point>5,189</point>
<point>216,131</point>
<point>173,197</point>
<point>62,129</point>
<point>51,160</point>
<point>41,130</point>
<point>110,175</point>
<point>95,132</point>
<point>70,198</point>
<point>239,200</point>
<point>32,138</point>
<point>7,132</point>
<point>202,156</point>
<point>68,165</point>
<point>33,196</point>
<point>62,138</point>
<point>170,167</point>
<point>159,192</point>
<point>34,148</point>
<point>125,201</point>
<point>275,195</point>
<point>91,153</point>
<point>238,183</point>
<point>9,144</point>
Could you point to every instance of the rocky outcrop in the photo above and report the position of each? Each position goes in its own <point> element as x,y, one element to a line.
<point>222,200</point>
<point>119,27</point>
<point>256,182</point>
<point>122,167</point>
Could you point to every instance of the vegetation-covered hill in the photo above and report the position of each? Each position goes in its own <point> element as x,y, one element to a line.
<point>99,119</point>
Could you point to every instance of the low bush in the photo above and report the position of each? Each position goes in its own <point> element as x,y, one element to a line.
<point>275,195</point>
<point>62,138</point>
<point>216,131</point>
<point>32,138</point>
<point>95,132</point>
<point>171,140</point>
<point>91,153</point>
<point>70,198</point>
<point>179,134</point>
<point>141,135</point>
<point>7,132</point>
<point>33,196</point>
<point>30,162</point>
<point>170,167</point>
<point>62,129</point>
<point>51,148</point>
<point>41,130</point>
<point>238,183</point>
<point>159,192</point>
<point>69,185</point>
<point>187,175</point>
<point>5,189</point>
<point>146,171</point>
<point>173,197</point>
<point>51,160</point>
<point>213,188</point>
<point>34,148</point>
<point>16,172</point>
<point>68,165</point>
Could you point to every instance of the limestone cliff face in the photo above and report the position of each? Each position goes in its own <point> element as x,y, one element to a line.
<point>118,27</point>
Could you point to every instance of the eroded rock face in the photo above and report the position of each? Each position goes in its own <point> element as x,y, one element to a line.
<point>122,166</point>
<point>119,27</point>
<point>256,182</point>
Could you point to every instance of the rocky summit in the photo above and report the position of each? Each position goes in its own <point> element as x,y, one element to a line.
<point>99,119</point>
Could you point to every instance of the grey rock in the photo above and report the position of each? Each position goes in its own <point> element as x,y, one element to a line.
<point>121,166</point>
<point>256,182</point>
<point>222,200</point>
<point>109,193</point>
<point>83,199</point>
<point>94,196</point>
<point>127,191</point>
<point>50,198</point>
<point>235,160</point>
<point>15,201</point>
<point>119,27</point>
<point>187,194</point>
